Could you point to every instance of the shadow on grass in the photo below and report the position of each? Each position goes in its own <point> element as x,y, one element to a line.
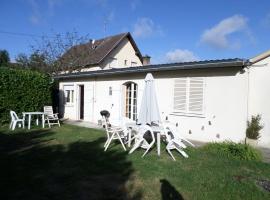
<point>168,192</point>
<point>33,167</point>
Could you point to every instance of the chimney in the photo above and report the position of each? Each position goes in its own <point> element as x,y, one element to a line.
<point>93,44</point>
<point>146,60</point>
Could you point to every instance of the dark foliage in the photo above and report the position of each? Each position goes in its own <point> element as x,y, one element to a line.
<point>4,58</point>
<point>23,90</point>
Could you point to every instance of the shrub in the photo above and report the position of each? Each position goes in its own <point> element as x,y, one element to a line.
<point>22,90</point>
<point>234,150</point>
<point>254,127</point>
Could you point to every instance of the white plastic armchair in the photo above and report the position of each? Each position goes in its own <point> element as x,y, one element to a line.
<point>178,136</point>
<point>173,142</point>
<point>140,140</point>
<point>50,117</point>
<point>114,133</point>
<point>15,120</point>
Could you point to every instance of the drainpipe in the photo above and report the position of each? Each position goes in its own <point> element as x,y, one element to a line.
<point>93,99</point>
<point>248,90</point>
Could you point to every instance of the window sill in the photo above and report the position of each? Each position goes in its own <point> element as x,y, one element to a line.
<point>187,114</point>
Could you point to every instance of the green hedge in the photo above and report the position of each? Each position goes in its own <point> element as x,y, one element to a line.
<point>23,90</point>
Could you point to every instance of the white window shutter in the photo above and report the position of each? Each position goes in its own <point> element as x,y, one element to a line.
<point>180,94</point>
<point>196,90</point>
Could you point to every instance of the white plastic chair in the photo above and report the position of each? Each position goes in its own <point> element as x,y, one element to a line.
<point>114,133</point>
<point>173,143</point>
<point>178,136</point>
<point>50,117</point>
<point>140,141</point>
<point>15,120</point>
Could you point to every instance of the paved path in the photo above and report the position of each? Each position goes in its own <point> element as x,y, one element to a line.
<point>83,124</point>
<point>265,154</point>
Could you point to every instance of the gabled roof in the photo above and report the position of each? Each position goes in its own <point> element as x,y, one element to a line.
<point>206,64</point>
<point>260,57</point>
<point>94,53</point>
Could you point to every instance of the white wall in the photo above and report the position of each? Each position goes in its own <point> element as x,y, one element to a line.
<point>124,51</point>
<point>259,96</point>
<point>225,102</point>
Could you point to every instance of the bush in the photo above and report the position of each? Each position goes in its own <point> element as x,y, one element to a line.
<point>234,150</point>
<point>22,90</point>
<point>254,127</point>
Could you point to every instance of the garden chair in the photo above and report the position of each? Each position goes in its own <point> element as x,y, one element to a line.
<point>140,140</point>
<point>15,120</point>
<point>50,117</point>
<point>173,142</point>
<point>114,133</point>
<point>177,137</point>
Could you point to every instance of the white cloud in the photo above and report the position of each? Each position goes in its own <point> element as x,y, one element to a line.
<point>134,4</point>
<point>39,14</point>
<point>180,55</point>
<point>218,36</point>
<point>35,15</point>
<point>145,27</point>
<point>266,21</point>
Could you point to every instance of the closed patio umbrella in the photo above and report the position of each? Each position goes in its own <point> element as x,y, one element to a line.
<point>149,111</point>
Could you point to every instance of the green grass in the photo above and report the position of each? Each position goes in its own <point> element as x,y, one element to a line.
<point>69,163</point>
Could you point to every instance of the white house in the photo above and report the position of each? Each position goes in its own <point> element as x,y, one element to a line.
<point>206,100</point>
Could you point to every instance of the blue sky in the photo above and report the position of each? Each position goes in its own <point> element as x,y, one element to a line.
<point>168,31</point>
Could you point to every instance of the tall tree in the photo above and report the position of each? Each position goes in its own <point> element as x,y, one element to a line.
<point>22,60</point>
<point>52,49</point>
<point>4,58</point>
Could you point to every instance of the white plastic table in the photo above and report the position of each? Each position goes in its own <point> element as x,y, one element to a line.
<point>156,129</point>
<point>34,113</point>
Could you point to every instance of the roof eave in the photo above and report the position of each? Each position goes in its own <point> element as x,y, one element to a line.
<point>155,68</point>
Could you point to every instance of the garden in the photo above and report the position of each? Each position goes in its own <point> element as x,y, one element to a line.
<point>69,162</point>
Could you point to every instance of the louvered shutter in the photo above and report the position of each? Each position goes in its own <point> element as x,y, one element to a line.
<point>180,94</point>
<point>196,89</point>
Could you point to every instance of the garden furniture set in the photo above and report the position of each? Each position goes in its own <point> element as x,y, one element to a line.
<point>46,116</point>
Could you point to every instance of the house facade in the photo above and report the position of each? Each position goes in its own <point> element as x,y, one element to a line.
<point>205,100</point>
<point>116,51</point>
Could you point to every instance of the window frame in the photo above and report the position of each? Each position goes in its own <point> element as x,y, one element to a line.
<point>71,90</point>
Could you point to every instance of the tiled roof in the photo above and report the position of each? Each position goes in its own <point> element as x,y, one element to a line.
<point>94,53</point>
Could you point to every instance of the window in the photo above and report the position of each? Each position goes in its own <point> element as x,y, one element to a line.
<point>133,64</point>
<point>113,62</point>
<point>189,95</point>
<point>69,94</point>
<point>126,62</point>
<point>131,100</point>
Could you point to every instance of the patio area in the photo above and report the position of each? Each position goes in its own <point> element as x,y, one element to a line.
<point>69,162</point>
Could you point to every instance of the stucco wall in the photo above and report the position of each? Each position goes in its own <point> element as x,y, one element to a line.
<point>259,96</point>
<point>124,51</point>
<point>225,102</point>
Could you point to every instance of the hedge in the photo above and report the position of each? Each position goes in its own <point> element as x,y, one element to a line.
<point>23,90</point>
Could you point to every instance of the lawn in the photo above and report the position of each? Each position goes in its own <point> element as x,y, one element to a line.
<point>69,163</point>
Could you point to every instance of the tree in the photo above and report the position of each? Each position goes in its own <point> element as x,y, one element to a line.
<point>50,52</point>
<point>22,59</point>
<point>4,57</point>
<point>37,61</point>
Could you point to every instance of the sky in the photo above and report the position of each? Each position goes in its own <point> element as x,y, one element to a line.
<point>168,31</point>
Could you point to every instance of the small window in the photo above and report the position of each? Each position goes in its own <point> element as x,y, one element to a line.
<point>69,94</point>
<point>110,91</point>
<point>133,63</point>
<point>126,62</point>
<point>189,95</point>
<point>113,62</point>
